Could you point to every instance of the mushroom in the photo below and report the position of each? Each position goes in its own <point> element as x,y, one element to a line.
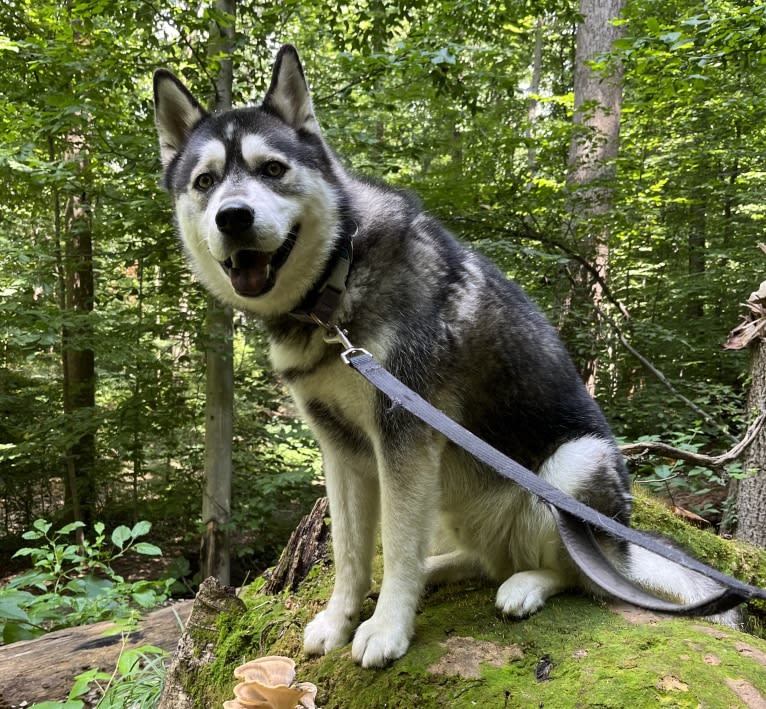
<point>267,683</point>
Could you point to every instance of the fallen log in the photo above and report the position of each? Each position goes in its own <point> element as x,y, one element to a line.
<point>44,669</point>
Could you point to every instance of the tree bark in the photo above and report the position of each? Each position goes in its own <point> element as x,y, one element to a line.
<point>306,546</point>
<point>197,646</point>
<point>219,356</point>
<point>751,494</point>
<point>77,354</point>
<point>598,100</point>
<point>533,104</point>
<point>219,414</point>
<point>695,308</point>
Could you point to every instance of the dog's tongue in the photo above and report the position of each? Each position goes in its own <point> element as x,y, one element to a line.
<point>251,273</point>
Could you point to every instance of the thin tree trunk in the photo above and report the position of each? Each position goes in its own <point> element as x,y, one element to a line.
<point>751,493</point>
<point>219,357</point>
<point>697,231</point>
<point>533,104</point>
<point>78,358</point>
<point>595,141</point>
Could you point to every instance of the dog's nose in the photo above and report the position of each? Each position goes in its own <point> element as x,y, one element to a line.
<point>234,219</point>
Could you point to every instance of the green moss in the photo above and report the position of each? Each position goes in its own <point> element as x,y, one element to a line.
<point>601,658</point>
<point>739,559</point>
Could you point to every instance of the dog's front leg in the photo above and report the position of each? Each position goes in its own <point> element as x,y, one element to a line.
<point>352,489</point>
<point>409,502</point>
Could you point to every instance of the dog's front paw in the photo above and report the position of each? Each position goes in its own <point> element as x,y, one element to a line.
<point>525,593</point>
<point>378,642</point>
<point>327,632</point>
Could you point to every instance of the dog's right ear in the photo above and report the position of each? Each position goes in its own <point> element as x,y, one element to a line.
<point>176,112</point>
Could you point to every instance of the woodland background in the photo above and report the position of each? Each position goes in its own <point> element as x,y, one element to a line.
<point>471,104</point>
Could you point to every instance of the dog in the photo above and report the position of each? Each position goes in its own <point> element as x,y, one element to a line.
<point>274,225</point>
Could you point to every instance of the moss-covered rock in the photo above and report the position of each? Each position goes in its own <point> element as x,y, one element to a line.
<point>577,652</point>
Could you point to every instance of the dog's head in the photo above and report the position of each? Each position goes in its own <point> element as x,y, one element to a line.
<point>255,189</point>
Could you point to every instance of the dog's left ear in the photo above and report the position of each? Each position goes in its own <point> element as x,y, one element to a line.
<point>288,96</point>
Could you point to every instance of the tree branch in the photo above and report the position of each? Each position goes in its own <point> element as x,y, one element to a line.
<point>534,233</point>
<point>665,381</point>
<point>715,462</point>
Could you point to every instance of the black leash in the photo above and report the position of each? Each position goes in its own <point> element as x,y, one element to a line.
<point>575,520</point>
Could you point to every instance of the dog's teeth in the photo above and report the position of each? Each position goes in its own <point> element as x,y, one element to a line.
<point>235,259</point>
<point>268,273</point>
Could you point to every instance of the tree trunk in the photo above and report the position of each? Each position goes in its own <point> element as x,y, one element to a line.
<point>219,406</point>
<point>533,104</point>
<point>695,308</point>
<point>597,103</point>
<point>197,647</point>
<point>751,494</point>
<point>219,356</point>
<point>77,355</point>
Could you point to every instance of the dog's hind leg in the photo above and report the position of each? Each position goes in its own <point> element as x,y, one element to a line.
<point>451,567</point>
<point>352,489</point>
<point>526,592</point>
<point>588,468</point>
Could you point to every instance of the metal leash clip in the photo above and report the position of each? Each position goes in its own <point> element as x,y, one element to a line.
<point>336,336</point>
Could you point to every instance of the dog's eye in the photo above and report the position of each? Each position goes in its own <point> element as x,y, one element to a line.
<point>204,181</point>
<point>273,168</point>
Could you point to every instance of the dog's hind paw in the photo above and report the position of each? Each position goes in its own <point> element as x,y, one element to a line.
<point>326,632</point>
<point>526,592</point>
<point>379,642</point>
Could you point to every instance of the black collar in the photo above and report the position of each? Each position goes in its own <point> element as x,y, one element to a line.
<point>321,302</point>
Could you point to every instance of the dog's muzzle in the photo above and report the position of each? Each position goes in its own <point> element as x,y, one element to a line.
<point>252,272</point>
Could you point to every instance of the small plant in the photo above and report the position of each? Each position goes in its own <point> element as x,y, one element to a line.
<point>135,683</point>
<point>74,583</point>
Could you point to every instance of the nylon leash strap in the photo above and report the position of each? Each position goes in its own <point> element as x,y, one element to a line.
<point>576,521</point>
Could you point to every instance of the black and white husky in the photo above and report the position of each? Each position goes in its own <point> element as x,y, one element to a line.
<point>268,217</point>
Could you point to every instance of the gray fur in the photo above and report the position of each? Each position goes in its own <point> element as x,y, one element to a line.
<point>438,316</point>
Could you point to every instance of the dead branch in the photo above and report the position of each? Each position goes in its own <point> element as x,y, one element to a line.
<point>753,326</point>
<point>714,462</point>
<point>664,380</point>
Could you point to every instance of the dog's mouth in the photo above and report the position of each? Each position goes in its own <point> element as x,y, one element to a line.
<point>253,273</point>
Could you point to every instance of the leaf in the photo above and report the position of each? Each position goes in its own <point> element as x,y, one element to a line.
<point>89,587</point>
<point>682,44</point>
<point>69,528</point>
<point>7,45</point>
<point>82,682</point>
<point>145,599</point>
<point>15,632</point>
<point>42,525</point>
<point>32,535</point>
<point>670,37</point>
<point>120,535</point>
<point>689,516</point>
<point>11,611</point>
<point>140,529</point>
<point>147,549</point>
<point>443,56</point>
<point>26,551</point>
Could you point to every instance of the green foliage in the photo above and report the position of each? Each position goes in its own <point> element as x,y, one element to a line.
<point>135,682</point>
<point>72,583</point>
<point>703,486</point>
<point>436,97</point>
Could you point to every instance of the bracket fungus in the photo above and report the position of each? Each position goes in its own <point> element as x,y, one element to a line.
<point>267,683</point>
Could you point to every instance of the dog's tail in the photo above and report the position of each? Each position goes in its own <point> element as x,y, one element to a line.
<point>667,579</point>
